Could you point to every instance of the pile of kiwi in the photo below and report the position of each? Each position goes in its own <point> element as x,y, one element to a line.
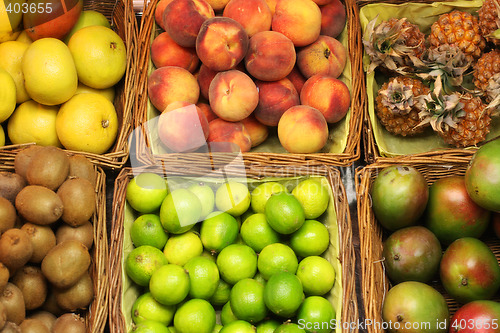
<point>46,209</point>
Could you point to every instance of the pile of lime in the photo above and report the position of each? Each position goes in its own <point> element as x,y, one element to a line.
<point>252,264</point>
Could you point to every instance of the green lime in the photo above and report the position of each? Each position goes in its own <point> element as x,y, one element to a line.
<point>203,277</point>
<point>267,326</point>
<point>196,315</point>
<point>232,198</point>
<point>249,212</point>
<point>238,326</point>
<point>312,239</point>
<point>276,258</point>
<point>142,262</point>
<point>257,233</point>
<point>151,327</point>
<point>283,294</point>
<point>147,308</point>
<point>262,193</point>
<point>206,196</point>
<point>314,312</point>
<point>247,300</point>
<point>284,213</point>
<point>289,328</point>
<point>237,262</point>
<point>259,277</point>
<point>313,197</point>
<point>180,210</point>
<point>180,248</point>
<point>172,329</point>
<point>221,295</point>
<point>147,230</point>
<point>146,191</point>
<point>217,328</point>
<point>209,255</point>
<point>316,274</point>
<point>218,231</point>
<point>226,314</point>
<point>169,284</point>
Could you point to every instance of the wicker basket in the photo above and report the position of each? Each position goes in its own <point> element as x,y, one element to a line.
<point>374,283</point>
<point>123,22</point>
<point>351,152</point>
<point>349,313</point>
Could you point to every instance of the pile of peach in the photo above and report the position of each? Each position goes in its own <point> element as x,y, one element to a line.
<point>264,64</point>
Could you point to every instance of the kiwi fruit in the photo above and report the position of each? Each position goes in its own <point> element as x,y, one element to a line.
<point>4,276</point>
<point>69,323</point>
<point>3,315</point>
<point>15,248</point>
<point>33,326</point>
<point>49,167</point>
<point>33,285</point>
<point>13,301</point>
<point>83,233</point>
<point>51,305</point>
<point>10,185</point>
<point>8,215</point>
<point>81,167</point>
<point>47,318</point>
<point>78,296</point>
<point>65,263</point>
<point>10,327</point>
<point>78,198</point>
<point>42,238</point>
<point>39,205</point>
<point>23,159</point>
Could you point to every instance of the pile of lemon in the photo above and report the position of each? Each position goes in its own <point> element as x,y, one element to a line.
<point>253,263</point>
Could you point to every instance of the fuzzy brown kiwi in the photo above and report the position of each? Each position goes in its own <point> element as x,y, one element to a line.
<point>23,159</point>
<point>42,238</point>
<point>15,248</point>
<point>51,305</point>
<point>3,315</point>
<point>10,327</point>
<point>49,167</point>
<point>81,167</point>
<point>69,323</point>
<point>12,299</point>
<point>83,233</point>
<point>33,285</point>
<point>33,326</point>
<point>8,215</point>
<point>39,205</point>
<point>10,185</point>
<point>78,198</point>
<point>78,296</point>
<point>47,318</point>
<point>4,276</point>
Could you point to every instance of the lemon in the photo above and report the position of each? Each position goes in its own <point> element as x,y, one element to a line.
<point>206,196</point>
<point>2,137</point>
<point>312,239</point>
<point>34,122</point>
<point>233,198</point>
<point>314,312</point>
<point>180,210</point>
<point>247,300</point>
<point>257,233</point>
<point>226,315</point>
<point>24,38</point>
<point>218,230</point>
<point>108,93</point>
<point>283,294</point>
<point>196,315</point>
<point>316,274</point>
<point>267,326</point>
<point>7,95</point>
<point>142,262</point>
<point>180,248</point>
<point>11,57</point>
<point>100,56</point>
<point>237,262</point>
<point>151,326</point>
<point>289,328</point>
<point>284,213</point>
<point>87,122</point>
<point>147,308</point>
<point>276,258</point>
<point>221,295</point>
<point>313,197</point>
<point>169,284</point>
<point>87,18</point>
<point>147,230</point>
<point>203,277</point>
<point>238,326</point>
<point>10,22</point>
<point>146,192</point>
<point>262,193</point>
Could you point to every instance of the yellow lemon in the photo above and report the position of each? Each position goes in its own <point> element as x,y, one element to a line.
<point>2,137</point>
<point>24,38</point>
<point>109,93</point>
<point>7,95</point>
<point>87,122</point>
<point>87,18</point>
<point>11,56</point>
<point>11,17</point>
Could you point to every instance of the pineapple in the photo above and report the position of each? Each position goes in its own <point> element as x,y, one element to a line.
<point>485,69</point>
<point>489,19</point>
<point>396,105</point>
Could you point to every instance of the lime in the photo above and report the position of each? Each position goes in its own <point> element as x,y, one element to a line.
<point>203,277</point>
<point>249,212</point>
<point>180,210</point>
<point>217,328</point>
<point>238,326</point>
<point>146,192</point>
<point>289,328</point>
<point>316,274</point>
<point>257,233</point>
<point>262,193</point>
<point>268,326</point>
<point>313,197</point>
<point>259,277</point>
<point>196,315</point>
<point>247,300</point>
<point>311,239</point>
<point>233,198</point>
<point>237,262</point>
<point>221,295</point>
<point>226,315</point>
<point>142,262</point>
<point>169,284</point>
<point>180,248</point>
<point>151,327</point>
<point>209,255</point>
<point>147,308</point>
<point>206,196</point>
<point>284,213</point>
<point>276,258</point>
<point>147,230</point>
<point>172,329</point>
<point>283,294</point>
<point>314,312</point>
<point>218,231</point>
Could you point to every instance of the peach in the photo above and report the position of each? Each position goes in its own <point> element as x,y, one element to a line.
<point>254,15</point>
<point>275,98</point>
<point>299,20</point>
<point>297,79</point>
<point>182,20</point>
<point>233,95</point>
<point>205,77</point>
<point>333,18</point>
<point>207,111</point>
<point>327,94</point>
<point>272,5</point>
<point>258,131</point>
<point>170,84</point>
<point>325,56</point>
<point>221,43</point>
<point>218,5</point>
<point>166,52</point>
<point>322,2</point>
<point>302,129</point>
<point>228,136</point>
<point>160,8</point>
<point>271,56</point>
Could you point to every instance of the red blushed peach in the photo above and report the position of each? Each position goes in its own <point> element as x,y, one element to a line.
<point>183,127</point>
<point>258,131</point>
<point>233,95</point>
<point>182,20</point>
<point>275,98</point>
<point>228,134</point>
<point>272,5</point>
<point>254,15</point>
<point>299,20</point>
<point>271,56</point>
<point>325,56</point>
<point>333,18</point>
<point>221,43</point>
<point>327,94</point>
<point>207,111</point>
<point>322,2</point>
<point>166,52</point>
<point>170,84</point>
<point>160,8</point>
<point>297,79</point>
<point>205,77</point>
<point>218,5</point>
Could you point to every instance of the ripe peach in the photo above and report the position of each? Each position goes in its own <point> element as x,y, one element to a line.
<point>322,2</point>
<point>325,56</point>
<point>160,8</point>
<point>166,52</point>
<point>302,129</point>
<point>271,56</point>
<point>299,20</point>
<point>327,94</point>
<point>333,18</point>
<point>229,136</point>
<point>297,79</point>
<point>221,43</point>
<point>258,131</point>
<point>205,77</point>
<point>272,5</point>
<point>254,15</point>
<point>218,5</point>
<point>170,84</point>
<point>275,98</point>
<point>207,111</point>
<point>233,95</point>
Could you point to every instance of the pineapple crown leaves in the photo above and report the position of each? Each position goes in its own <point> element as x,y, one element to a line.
<point>493,92</point>
<point>398,97</point>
